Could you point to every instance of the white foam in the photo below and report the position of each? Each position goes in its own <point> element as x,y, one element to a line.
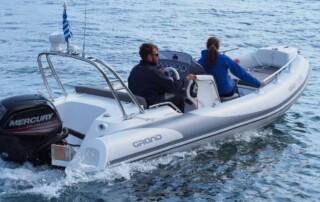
<point>250,135</point>
<point>50,183</point>
<point>39,180</point>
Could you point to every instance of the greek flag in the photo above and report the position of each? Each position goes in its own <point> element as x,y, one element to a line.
<point>66,27</point>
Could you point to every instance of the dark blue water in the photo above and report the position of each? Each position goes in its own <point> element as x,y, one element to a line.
<point>280,162</point>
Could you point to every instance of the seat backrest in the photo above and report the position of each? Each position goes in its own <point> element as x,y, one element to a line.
<point>270,56</point>
<point>123,96</point>
<point>275,56</point>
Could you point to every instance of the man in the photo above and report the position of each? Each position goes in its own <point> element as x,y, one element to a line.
<point>148,81</point>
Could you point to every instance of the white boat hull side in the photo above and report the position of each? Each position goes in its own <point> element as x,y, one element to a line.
<point>100,151</point>
<point>192,136</point>
<point>202,125</point>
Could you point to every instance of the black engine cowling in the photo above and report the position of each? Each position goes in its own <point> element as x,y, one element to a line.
<point>29,124</point>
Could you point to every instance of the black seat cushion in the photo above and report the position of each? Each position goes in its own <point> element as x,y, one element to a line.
<point>123,96</point>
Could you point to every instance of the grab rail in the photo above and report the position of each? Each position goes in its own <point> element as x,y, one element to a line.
<point>97,64</point>
<point>275,74</point>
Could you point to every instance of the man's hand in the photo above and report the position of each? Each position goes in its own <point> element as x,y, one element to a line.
<point>191,77</point>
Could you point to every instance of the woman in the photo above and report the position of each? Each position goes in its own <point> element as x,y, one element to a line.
<point>217,64</point>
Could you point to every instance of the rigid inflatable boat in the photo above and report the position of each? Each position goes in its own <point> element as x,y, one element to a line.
<point>103,126</point>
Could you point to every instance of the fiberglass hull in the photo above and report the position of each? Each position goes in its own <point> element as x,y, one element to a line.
<point>200,126</point>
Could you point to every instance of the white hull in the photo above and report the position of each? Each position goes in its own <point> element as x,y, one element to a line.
<point>111,137</point>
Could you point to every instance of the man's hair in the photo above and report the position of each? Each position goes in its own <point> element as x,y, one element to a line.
<point>146,49</point>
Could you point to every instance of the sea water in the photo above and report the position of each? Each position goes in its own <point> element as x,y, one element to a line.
<point>280,162</point>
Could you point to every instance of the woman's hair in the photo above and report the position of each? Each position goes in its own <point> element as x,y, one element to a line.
<point>146,49</point>
<point>213,44</point>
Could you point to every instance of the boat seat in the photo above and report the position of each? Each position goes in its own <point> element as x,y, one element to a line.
<point>236,94</point>
<point>123,96</point>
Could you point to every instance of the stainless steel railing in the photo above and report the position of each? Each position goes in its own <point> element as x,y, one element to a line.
<point>275,74</point>
<point>98,64</point>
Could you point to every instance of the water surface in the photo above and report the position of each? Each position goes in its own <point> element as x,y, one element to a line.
<point>279,162</point>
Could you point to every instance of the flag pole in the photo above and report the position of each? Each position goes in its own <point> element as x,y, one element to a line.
<point>84,31</point>
<point>64,13</point>
<point>66,27</point>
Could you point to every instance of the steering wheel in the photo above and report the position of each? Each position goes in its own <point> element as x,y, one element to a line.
<point>192,93</point>
<point>192,89</point>
<point>172,72</point>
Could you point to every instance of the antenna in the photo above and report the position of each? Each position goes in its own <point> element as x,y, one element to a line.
<point>84,30</point>
<point>223,52</point>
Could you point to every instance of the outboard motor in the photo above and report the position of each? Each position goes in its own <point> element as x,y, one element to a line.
<point>29,124</point>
